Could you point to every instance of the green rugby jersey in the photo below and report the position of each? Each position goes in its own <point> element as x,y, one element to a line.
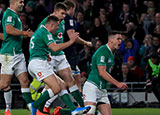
<point>103,56</point>
<point>39,43</point>
<point>58,36</point>
<point>11,44</point>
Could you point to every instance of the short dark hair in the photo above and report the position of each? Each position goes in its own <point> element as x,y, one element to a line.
<point>69,4</point>
<point>52,18</point>
<point>114,32</point>
<point>60,5</point>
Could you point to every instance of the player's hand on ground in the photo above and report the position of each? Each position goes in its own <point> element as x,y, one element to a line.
<point>122,85</point>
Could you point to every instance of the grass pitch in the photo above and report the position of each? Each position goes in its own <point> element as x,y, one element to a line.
<point>120,111</point>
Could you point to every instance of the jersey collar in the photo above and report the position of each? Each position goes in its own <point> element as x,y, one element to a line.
<point>109,48</point>
<point>44,27</point>
<point>12,10</point>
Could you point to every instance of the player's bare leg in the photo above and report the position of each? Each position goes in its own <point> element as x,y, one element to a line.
<point>105,109</point>
<point>66,75</point>
<point>5,81</point>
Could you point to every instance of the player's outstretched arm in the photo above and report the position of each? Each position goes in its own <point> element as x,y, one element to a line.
<point>79,39</point>
<point>84,42</point>
<point>57,47</point>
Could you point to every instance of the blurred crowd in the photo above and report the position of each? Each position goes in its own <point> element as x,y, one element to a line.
<point>138,21</point>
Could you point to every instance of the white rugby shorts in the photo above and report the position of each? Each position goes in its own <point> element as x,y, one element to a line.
<point>13,64</point>
<point>39,69</point>
<point>92,93</point>
<point>59,63</point>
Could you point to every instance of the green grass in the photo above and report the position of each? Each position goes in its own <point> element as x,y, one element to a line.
<point>17,112</point>
<point>136,111</point>
<point>121,111</point>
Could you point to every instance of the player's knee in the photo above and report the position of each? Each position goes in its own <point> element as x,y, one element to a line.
<point>8,88</point>
<point>4,85</point>
<point>70,81</point>
<point>56,90</point>
<point>92,110</point>
<point>25,82</point>
<point>63,85</point>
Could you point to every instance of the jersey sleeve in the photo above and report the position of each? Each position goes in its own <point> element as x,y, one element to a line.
<point>101,59</point>
<point>9,20</point>
<point>69,23</point>
<point>48,39</point>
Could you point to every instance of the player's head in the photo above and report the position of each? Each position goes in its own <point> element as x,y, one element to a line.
<point>71,6</point>
<point>60,10</point>
<point>17,5</point>
<point>115,39</point>
<point>52,24</point>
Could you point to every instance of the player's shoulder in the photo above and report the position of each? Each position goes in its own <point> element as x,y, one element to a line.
<point>9,11</point>
<point>68,17</point>
<point>102,50</point>
<point>103,47</point>
<point>45,33</point>
<point>41,31</point>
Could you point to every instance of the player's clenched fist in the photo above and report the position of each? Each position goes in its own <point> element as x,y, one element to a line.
<point>122,85</point>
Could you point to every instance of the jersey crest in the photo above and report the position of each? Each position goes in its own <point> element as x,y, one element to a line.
<point>111,68</point>
<point>59,35</point>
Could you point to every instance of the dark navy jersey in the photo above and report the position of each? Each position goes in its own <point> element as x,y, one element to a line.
<point>70,52</point>
<point>69,22</point>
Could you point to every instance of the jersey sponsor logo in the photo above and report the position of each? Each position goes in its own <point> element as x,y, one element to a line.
<point>9,19</point>
<point>71,22</point>
<point>59,35</point>
<point>49,37</point>
<point>102,59</point>
<point>111,68</point>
